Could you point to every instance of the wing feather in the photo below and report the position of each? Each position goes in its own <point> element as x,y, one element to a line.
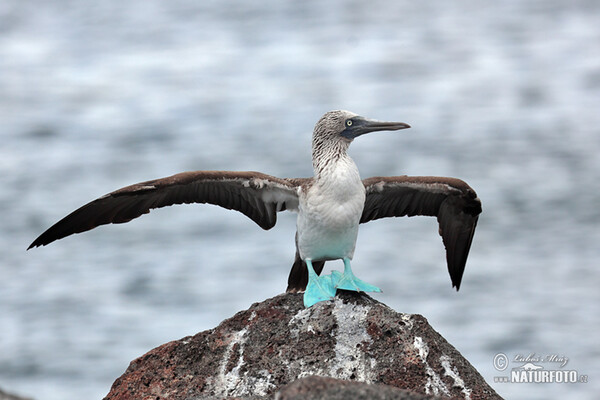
<point>245,192</point>
<point>452,201</point>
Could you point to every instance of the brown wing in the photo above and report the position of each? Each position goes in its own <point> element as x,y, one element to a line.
<point>256,195</point>
<point>452,201</point>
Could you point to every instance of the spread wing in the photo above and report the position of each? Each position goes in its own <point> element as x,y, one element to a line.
<point>452,201</point>
<point>256,195</point>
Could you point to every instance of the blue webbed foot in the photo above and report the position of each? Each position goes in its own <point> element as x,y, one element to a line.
<point>347,280</point>
<point>318,289</point>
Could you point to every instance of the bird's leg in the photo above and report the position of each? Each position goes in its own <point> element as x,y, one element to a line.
<point>318,288</point>
<point>348,281</point>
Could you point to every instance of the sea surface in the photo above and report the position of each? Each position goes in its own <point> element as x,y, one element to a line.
<point>96,95</point>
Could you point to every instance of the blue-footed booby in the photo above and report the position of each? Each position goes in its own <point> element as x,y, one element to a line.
<point>330,206</point>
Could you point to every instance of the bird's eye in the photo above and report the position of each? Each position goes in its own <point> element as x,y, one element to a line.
<point>349,122</point>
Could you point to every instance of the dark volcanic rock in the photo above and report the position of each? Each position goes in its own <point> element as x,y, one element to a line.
<point>257,352</point>
<point>320,388</point>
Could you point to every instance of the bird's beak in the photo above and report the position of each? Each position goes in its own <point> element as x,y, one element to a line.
<point>361,125</point>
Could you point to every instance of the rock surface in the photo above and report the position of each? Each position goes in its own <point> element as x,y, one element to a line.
<point>321,388</point>
<point>263,352</point>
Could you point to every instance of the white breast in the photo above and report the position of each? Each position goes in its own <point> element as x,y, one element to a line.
<point>329,213</point>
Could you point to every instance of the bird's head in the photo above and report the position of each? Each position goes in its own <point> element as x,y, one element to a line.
<point>343,126</point>
<point>337,129</point>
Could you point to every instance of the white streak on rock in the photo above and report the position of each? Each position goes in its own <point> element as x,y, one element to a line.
<point>255,386</point>
<point>434,383</point>
<point>230,383</point>
<point>226,381</point>
<point>452,372</point>
<point>351,336</point>
<point>300,322</point>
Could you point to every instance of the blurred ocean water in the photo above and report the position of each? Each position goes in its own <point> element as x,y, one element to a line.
<point>98,95</point>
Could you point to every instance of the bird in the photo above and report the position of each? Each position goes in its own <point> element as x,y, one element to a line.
<point>330,206</point>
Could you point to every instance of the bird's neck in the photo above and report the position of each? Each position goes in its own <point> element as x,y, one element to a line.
<point>332,163</point>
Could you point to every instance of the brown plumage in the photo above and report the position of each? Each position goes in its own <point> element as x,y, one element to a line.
<point>453,202</point>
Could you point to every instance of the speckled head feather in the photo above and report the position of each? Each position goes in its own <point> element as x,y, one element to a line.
<point>332,124</point>
<point>327,141</point>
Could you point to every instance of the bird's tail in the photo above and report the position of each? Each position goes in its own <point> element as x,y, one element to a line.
<point>298,278</point>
